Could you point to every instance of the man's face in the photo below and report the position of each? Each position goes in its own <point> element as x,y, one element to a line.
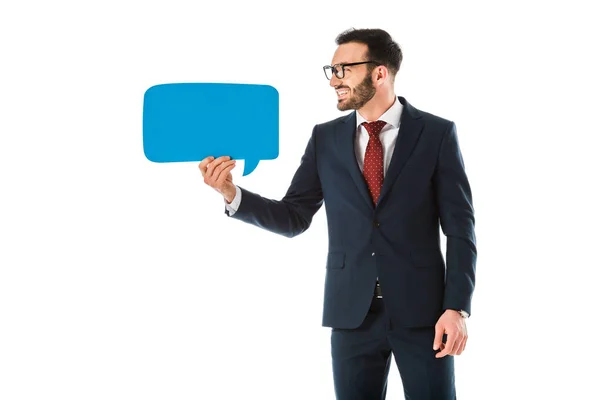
<point>356,88</point>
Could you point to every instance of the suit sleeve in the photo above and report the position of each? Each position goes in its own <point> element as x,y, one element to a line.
<point>457,220</point>
<point>293,214</point>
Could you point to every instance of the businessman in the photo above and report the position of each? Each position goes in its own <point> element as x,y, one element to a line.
<point>389,176</point>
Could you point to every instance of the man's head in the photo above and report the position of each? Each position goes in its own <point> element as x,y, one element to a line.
<point>379,57</point>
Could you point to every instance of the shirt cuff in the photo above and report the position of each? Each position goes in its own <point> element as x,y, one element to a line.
<point>235,203</point>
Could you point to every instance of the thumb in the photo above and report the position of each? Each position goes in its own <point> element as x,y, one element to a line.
<point>439,333</point>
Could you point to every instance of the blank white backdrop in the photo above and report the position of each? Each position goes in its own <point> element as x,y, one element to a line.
<point>123,279</point>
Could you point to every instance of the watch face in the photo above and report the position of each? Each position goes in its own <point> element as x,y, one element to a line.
<point>464,314</point>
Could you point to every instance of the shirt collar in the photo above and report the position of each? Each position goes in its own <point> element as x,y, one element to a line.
<point>391,116</point>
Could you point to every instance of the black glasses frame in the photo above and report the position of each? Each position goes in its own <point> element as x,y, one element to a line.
<point>341,67</point>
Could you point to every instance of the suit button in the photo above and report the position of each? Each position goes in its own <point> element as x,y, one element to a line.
<point>376,224</point>
<point>372,254</point>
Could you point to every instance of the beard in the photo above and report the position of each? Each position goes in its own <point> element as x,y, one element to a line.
<point>361,94</point>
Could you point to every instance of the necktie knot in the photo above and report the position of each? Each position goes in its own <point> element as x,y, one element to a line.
<point>374,128</point>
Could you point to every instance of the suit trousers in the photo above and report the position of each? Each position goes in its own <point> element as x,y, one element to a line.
<point>361,360</point>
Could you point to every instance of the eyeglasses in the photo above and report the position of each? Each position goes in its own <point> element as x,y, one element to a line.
<point>339,69</point>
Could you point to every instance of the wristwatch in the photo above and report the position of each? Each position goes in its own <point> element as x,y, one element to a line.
<point>462,313</point>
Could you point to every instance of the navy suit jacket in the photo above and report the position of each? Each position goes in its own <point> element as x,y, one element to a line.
<point>398,239</point>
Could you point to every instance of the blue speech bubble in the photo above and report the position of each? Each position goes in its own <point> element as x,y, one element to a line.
<point>191,121</point>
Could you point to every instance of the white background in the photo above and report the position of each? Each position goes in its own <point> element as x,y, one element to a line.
<point>124,279</point>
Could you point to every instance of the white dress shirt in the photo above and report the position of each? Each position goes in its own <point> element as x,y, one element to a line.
<point>388,137</point>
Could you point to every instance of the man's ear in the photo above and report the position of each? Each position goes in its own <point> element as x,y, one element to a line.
<point>381,74</point>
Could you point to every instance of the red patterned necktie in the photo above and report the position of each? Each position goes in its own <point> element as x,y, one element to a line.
<point>373,165</point>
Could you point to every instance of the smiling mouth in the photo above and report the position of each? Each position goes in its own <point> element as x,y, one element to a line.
<point>342,93</point>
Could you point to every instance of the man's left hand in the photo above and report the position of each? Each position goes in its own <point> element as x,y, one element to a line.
<point>454,326</point>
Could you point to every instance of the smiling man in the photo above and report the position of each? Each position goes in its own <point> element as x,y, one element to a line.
<point>389,175</point>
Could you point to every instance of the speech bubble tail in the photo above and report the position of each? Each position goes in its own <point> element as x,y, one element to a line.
<point>249,166</point>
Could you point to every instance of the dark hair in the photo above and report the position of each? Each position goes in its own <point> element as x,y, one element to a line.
<point>381,47</point>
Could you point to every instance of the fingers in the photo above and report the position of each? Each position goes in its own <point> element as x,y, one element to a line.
<point>451,338</point>
<point>462,346</point>
<point>217,172</point>
<point>216,166</point>
<point>463,343</point>
<point>204,163</point>
<point>222,171</point>
<point>209,164</point>
<point>439,333</point>
<point>455,344</point>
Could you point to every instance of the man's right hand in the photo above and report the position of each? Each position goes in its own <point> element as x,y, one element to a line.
<point>217,175</point>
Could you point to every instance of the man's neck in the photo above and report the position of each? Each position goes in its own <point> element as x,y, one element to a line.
<point>376,107</point>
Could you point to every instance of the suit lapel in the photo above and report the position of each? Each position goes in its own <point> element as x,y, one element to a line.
<point>346,139</point>
<point>410,130</point>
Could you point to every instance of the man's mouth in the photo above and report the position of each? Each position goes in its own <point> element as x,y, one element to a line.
<point>342,93</point>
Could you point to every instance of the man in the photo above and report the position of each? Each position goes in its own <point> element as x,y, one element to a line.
<point>389,175</point>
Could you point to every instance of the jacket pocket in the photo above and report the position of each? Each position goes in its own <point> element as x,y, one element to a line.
<point>336,260</point>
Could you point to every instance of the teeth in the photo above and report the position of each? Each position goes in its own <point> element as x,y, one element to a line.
<point>342,92</point>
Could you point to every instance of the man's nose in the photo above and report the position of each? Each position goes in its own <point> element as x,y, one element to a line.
<point>334,81</point>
